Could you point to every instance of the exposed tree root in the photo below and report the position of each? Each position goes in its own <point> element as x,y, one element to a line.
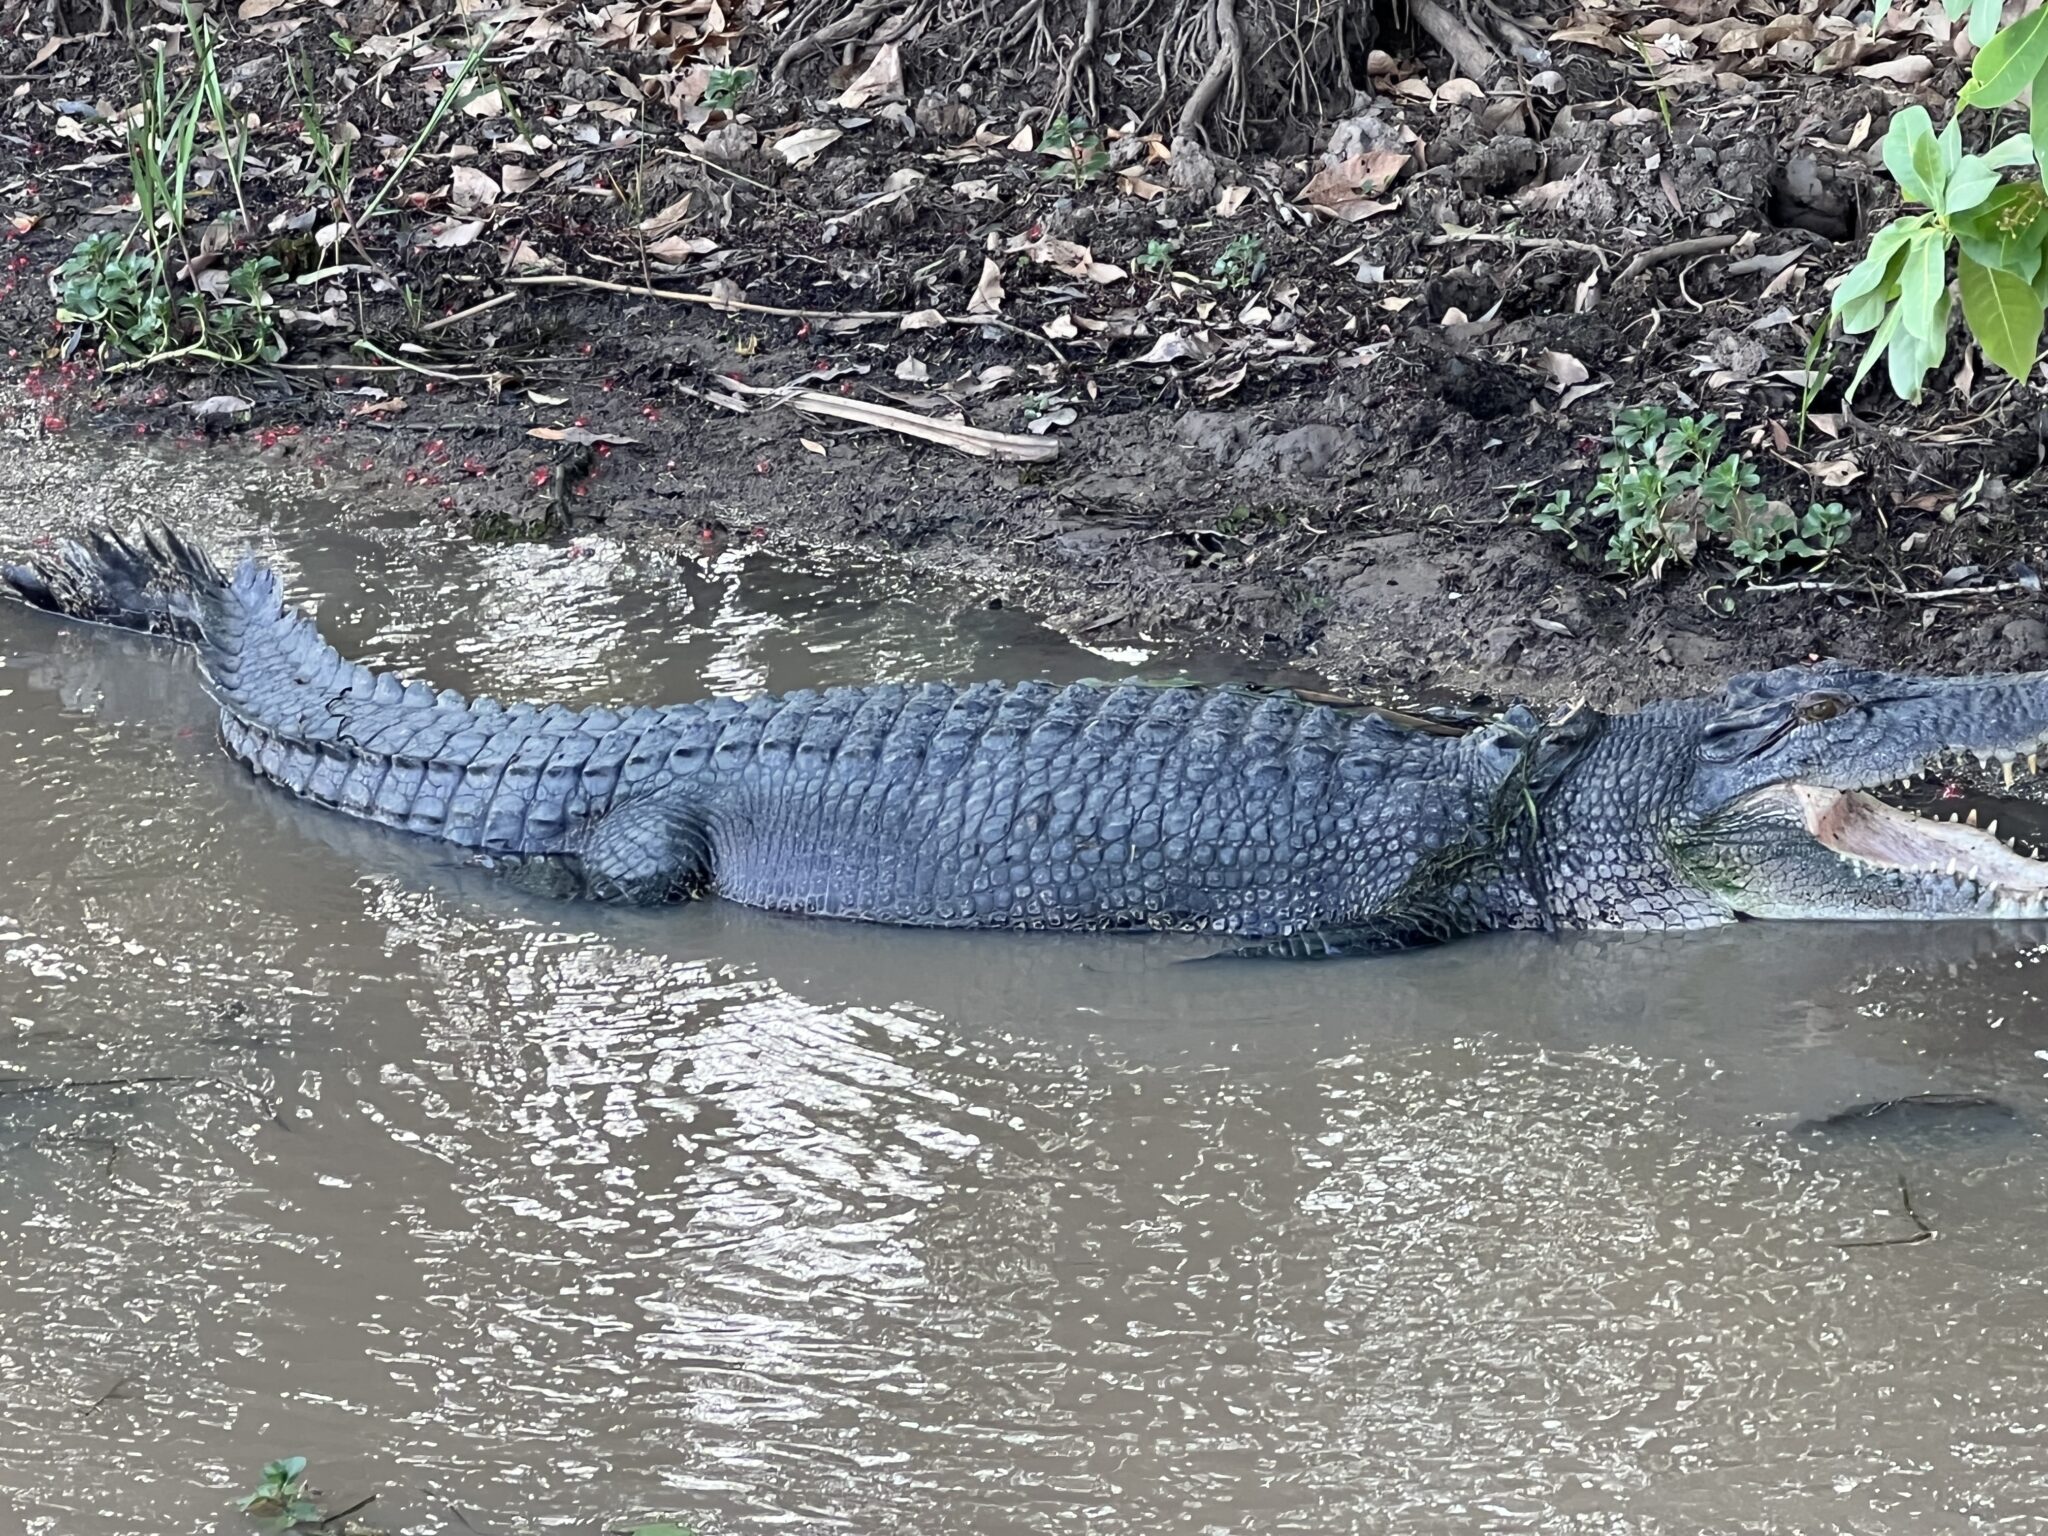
<point>1082,52</point>
<point>1475,57</point>
<point>1230,74</point>
<point>1226,65</point>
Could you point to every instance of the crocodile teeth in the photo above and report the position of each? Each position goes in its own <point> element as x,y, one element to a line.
<point>1973,815</point>
<point>2008,774</point>
<point>2033,762</point>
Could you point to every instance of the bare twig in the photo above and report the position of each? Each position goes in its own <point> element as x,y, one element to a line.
<point>1921,1233</point>
<point>976,441</point>
<point>1657,255</point>
<point>1897,594</point>
<point>469,313</point>
<point>343,1514</point>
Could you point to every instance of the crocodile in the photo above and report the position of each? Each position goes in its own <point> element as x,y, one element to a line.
<point>1290,827</point>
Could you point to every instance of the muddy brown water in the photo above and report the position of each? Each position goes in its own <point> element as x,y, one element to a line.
<point>537,1217</point>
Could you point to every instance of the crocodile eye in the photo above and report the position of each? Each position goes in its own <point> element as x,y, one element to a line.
<point>1823,706</point>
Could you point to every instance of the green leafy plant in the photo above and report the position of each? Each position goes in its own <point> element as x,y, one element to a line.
<point>1665,488</point>
<point>728,88</point>
<point>1078,151</point>
<point>1899,294</point>
<point>280,1499</point>
<point>1158,257</point>
<point>126,298</point>
<point>1242,263</point>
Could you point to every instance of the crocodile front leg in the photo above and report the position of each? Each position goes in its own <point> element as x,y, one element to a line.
<point>646,852</point>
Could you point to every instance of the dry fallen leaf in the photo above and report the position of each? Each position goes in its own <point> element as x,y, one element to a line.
<point>812,445</point>
<point>449,236</point>
<point>1564,369</point>
<point>256,10</point>
<point>1061,327</point>
<point>1130,182</point>
<point>988,293</point>
<point>665,222</point>
<point>540,399</point>
<point>1908,69</point>
<point>1233,198</point>
<point>1170,348</point>
<point>1070,258</point>
<point>922,320</point>
<point>882,80</point>
<point>219,405</point>
<point>574,434</point>
<point>913,371</point>
<point>522,257</point>
<point>470,188</point>
<point>680,248</point>
<point>806,144</point>
<point>1023,142</point>
<point>1835,473</point>
<point>1347,191</point>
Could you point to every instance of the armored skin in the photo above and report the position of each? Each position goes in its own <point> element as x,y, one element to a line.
<point>1292,827</point>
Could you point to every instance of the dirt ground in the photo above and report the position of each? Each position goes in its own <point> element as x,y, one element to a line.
<point>1306,383</point>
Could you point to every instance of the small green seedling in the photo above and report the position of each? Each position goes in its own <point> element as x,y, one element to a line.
<point>1665,489</point>
<point>280,1499</point>
<point>1242,263</point>
<point>728,88</point>
<point>1077,150</point>
<point>1158,257</point>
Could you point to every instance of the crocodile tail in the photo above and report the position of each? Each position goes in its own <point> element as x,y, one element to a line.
<point>145,580</point>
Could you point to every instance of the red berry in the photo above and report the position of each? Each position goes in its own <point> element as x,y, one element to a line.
<point>447,503</point>
<point>540,476</point>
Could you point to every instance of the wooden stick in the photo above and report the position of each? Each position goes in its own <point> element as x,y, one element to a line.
<point>977,441</point>
<point>1657,255</point>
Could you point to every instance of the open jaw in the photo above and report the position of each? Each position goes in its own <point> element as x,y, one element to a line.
<point>1942,842</point>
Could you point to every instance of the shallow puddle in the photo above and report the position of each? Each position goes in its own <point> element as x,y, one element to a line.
<point>530,1216</point>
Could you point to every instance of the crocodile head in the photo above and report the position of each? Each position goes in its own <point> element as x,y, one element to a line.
<point>1800,784</point>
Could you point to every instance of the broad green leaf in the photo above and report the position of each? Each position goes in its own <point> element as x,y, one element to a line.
<point>1984,15</point>
<point>1879,345</point>
<point>1875,270</point>
<point>1912,357</point>
<point>1923,279</point>
<point>1949,144</point>
<point>1910,154</point>
<point>2037,119</point>
<point>1969,186</point>
<point>2008,63</point>
<point>2016,150</point>
<point>2008,229</point>
<point>2004,314</point>
<point>1866,313</point>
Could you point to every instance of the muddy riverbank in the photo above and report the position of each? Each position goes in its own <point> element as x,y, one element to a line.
<point>1311,420</point>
